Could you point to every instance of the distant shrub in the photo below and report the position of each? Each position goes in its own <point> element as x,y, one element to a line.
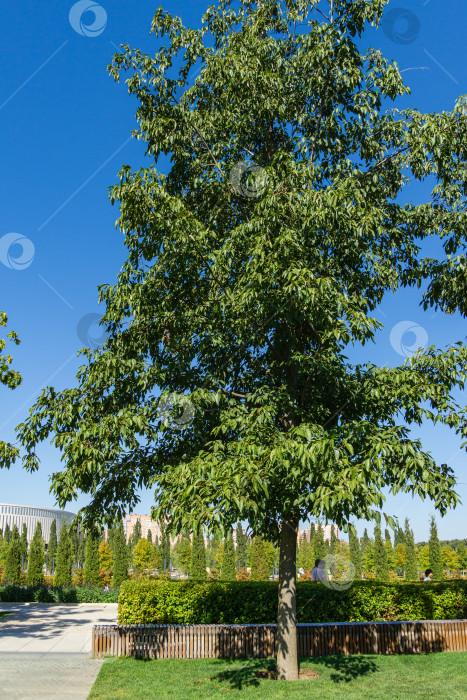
<point>44,594</point>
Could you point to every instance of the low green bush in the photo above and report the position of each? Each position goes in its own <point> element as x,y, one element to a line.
<point>241,602</point>
<point>44,594</point>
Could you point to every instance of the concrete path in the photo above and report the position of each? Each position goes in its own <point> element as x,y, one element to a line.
<point>45,649</point>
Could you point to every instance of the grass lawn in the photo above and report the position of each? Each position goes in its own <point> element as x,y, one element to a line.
<point>353,677</point>
<point>4,614</point>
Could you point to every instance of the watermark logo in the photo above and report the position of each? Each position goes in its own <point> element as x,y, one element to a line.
<point>407,337</point>
<point>89,332</point>
<point>16,251</point>
<point>88,18</point>
<point>401,26</point>
<point>342,572</point>
<point>176,411</point>
<point>248,179</point>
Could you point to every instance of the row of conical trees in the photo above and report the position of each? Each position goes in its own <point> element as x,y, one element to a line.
<point>384,559</point>
<point>76,559</point>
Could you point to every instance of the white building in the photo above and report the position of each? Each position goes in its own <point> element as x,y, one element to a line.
<point>18,515</point>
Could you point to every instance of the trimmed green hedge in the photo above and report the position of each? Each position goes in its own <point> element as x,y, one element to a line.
<point>43,594</point>
<point>241,602</point>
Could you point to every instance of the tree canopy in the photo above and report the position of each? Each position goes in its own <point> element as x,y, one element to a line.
<point>255,263</point>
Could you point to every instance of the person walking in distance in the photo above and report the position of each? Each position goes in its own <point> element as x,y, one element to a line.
<point>319,573</point>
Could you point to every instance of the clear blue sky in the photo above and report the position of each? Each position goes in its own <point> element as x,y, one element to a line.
<point>65,127</point>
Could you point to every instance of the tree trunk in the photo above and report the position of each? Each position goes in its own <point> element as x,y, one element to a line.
<point>287,660</point>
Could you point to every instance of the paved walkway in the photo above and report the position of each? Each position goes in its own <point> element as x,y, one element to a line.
<point>45,649</point>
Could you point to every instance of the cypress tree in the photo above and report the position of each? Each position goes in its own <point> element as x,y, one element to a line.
<point>305,555</point>
<point>320,547</point>
<point>411,564</point>
<point>165,547</point>
<point>389,549</point>
<point>381,561</point>
<point>12,573</point>
<point>399,537</point>
<point>260,566</point>
<point>91,560</point>
<point>74,540</point>
<point>355,554</point>
<point>436,558</point>
<point>81,555</point>
<point>105,557</point>
<point>228,572</point>
<point>52,546</point>
<point>182,553</point>
<point>198,558</point>
<point>365,541</point>
<point>136,536</point>
<point>149,536</point>
<point>120,557</point>
<point>241,547</point>
<point>35,575</point>
<point>64,559</point>
<point>110,537</point>
<point>24,545</point>
<point>7,534</point>
<point>334,540</point>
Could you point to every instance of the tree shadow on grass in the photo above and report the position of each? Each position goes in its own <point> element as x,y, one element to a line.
<point>246,675</point>
<point>346,668</point>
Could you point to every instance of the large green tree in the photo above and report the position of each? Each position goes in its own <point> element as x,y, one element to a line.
<point>255,261</point>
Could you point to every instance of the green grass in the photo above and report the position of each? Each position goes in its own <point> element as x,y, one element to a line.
<point>4,614</point>
<point>352,677</point>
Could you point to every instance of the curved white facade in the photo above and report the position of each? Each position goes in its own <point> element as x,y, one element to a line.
<point>18,515</point>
